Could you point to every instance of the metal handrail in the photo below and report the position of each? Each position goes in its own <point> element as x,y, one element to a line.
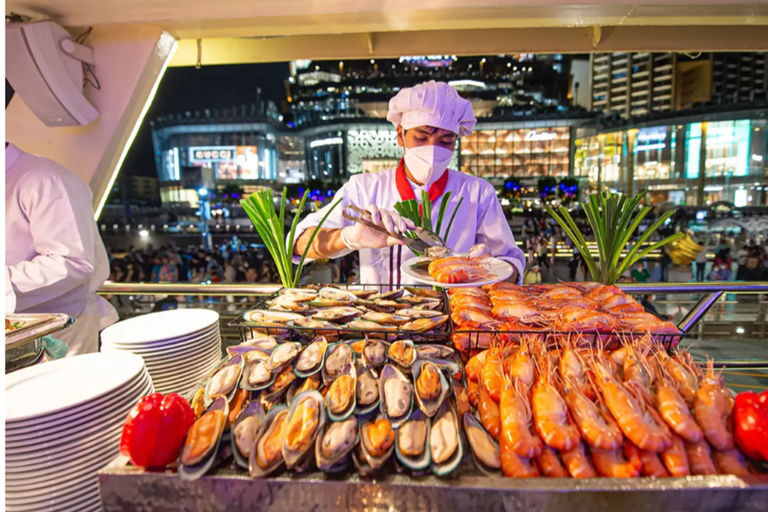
<point>246,289</point>
<point>110,288</point>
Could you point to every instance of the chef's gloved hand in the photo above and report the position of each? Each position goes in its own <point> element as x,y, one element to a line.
<point>358,236</point>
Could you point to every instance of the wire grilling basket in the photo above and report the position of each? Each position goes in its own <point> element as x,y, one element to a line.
<point>249,329</point>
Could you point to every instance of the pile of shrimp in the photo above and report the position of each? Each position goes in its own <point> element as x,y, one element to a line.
<point>552,308</point>
<point>584,412</point>
<point>459,269</point>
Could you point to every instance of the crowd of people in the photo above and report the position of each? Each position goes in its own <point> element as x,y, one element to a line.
<point>229,262</point>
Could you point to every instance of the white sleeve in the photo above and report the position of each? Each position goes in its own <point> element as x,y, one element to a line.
<point>348,195</point>
<point>59,213</point>
<point>494,231</point>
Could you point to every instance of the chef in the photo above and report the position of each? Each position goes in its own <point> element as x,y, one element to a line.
<point>429,119</point>
<point>55,259</point>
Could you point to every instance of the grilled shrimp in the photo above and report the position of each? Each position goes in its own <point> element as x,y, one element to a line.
<point>473,392</point>
<point>675,458</point>
<point>711,409</point>
<point>652,465</point>
<point>515,309</point>
<point>516,421</point>
<point>492,374</point>
<point>490,415</point>
<point>472,317</point>
<point>640,424</point>
<point>732,462</point>
<point>595,424</point>
<point>514,465</point>
<point>474,367</point>
<point>550,413</point>
<point>636,366</point>
<point>550,464</point>
<point>602,293</point>
<point>571,368</point>
<point>623,462</point>
<point>460,274</point>
<point>700,458</point>
<point>673,409</point>
<point>520,366</point>
<point>577,462</point>
<point>685,378</point>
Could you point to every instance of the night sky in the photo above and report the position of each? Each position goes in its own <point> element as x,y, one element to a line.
<point>211,87</point>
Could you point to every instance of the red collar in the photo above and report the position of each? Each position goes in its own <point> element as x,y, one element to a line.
<point>406,192</point>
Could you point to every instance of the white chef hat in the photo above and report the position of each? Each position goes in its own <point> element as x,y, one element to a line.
<point>432,104</point>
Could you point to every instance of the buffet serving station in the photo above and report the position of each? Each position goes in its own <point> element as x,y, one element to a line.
<point>226,486</point>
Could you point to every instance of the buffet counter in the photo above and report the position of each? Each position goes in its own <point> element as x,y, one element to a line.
<point>126,489</point>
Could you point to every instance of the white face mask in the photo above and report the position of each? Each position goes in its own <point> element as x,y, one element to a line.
<point>427,163</point>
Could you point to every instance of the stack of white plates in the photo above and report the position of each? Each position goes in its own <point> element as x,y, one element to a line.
<point>179,346</point>
<point>62,425</point>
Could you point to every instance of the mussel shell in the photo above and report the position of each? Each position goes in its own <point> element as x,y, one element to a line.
<point>423,291</point>
<point>434,351</point>
<point>373,359</point>
<point>415,313</point>
<point>277,366</point>
<point>295,460</point>
<point>245,381</point>
<point>244,350</point>
<point>405,365</point>
<point>299,294</point>
<point>391,372</point>
<point>414,462</point>
<point>235,361</point>
<point>416,300</point>
<point>360,408</point>
<point>373,462</point>
<point>335,294</point>
<point>420,325</point>
<point>251,409</point>
<point>331,464</point>
<point>369,326</point>
<point>349,369</point>
<point>195,471</point>
<point>328,378</point>
<point>394,294</point>
<point>362,294</point>
<point>453,461</point>
<point>450,368</point>
<point>275,395</point>
<point>254,469</point>
<point>329,303</point>
<point>323,344</point>
<point>337,315</point>
<point>268,318</point>
<point>470,422</point>
<point>385,318</point>
<point>429,407</point>
<point>293,389</point>
<point>369,305</point>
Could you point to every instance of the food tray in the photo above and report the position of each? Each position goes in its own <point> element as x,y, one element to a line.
<point>124,488</point>
<point>35,326</point>
<point>247,328</point>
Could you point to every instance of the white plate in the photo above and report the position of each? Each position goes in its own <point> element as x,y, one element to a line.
<point>68,491</point>
<point>58,473</point>
<point>110,445</point>
<point>75,435</point>
<point>499,269</point>
<point>164,325</point>
<point>206,341</point>
<point>86,502</point>
<point>201,361</point>
<point>101,406</point>
<point>185,378</point>
<point>43,390</point>
<point>202,336</point>
<point>182,356</point>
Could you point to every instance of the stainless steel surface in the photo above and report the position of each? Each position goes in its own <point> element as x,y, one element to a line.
<point>244,289</point>
<point>51,323</point>
<point>364,218</point>
<point>126,489</point>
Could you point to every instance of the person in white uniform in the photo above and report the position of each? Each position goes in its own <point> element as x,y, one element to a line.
<point>55,259</point>
<point>429,118</point>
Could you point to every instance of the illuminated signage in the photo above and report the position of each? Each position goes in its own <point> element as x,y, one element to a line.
<point>534,136</point>
<point>652,134</point>
<point>326,142</point>
<point>429,61</point>
<point>651,147</point>
<point>207,154</point>
<point>459,84</point>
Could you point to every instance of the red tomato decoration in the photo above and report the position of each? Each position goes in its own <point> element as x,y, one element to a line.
<point>750,424</point>
<point>154,430</point>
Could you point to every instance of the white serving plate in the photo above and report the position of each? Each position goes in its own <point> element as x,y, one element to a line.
<point>75,489</point>
<point>182,341</point>
<point>500,270</point>
<point>164,325</point>
<point>110,401</point>
<point>43,476</point>
<point>43,390</point>
<point>181,367</point>
<point>66,432</point>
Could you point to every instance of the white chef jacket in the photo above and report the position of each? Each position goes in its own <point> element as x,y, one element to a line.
<point>55,259</point>
<point>480,219</point>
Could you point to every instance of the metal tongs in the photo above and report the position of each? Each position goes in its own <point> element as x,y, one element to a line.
<point>425,240</point>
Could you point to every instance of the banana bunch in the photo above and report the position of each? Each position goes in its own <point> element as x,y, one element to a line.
<point>683,251</point>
